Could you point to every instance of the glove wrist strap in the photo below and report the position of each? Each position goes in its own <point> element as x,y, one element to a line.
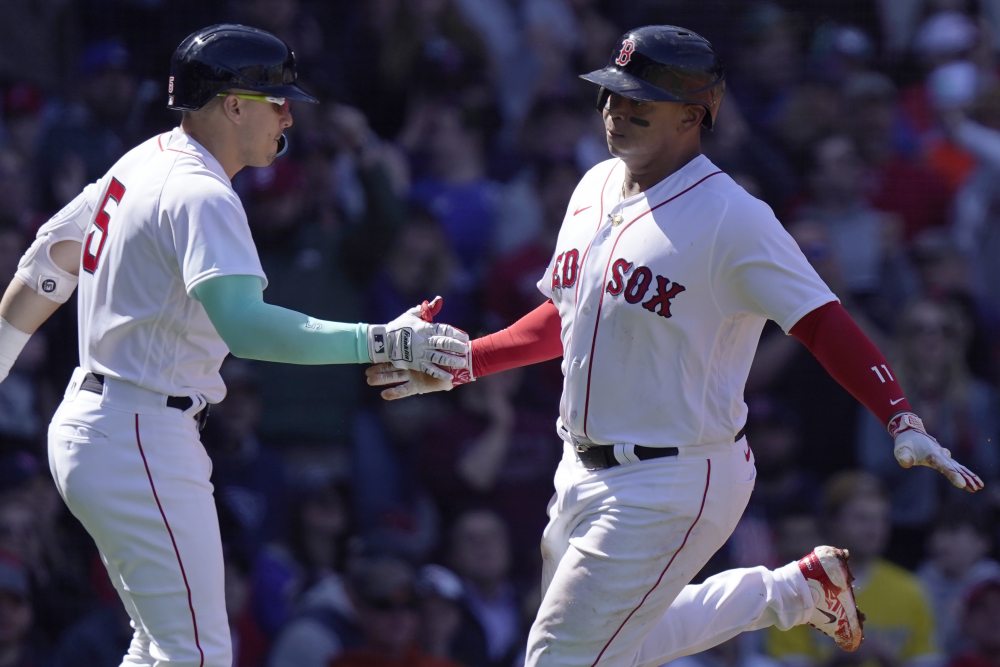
<point>905,421</point>
<point>463,375</point>
<point>378,350</point>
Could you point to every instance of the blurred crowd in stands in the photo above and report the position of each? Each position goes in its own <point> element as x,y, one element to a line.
<point>450,136</point>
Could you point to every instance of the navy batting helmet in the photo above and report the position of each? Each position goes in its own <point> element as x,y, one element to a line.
<point>226,56</point>
<point>663,63</point>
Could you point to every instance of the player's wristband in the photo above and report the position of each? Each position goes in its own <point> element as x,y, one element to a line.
<point>378,352</point>
<point>463,375</point>
<point>12,341</point>
<point>905,421</point>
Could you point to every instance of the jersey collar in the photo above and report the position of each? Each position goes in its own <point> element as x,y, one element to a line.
<point>177,140</point>
<point>694,171</point>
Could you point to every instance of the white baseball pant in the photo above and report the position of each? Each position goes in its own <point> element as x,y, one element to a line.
<point>623,543</point>
<point>135,474</point>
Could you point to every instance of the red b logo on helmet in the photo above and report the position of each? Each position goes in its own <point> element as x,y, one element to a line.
<point>628,46</point>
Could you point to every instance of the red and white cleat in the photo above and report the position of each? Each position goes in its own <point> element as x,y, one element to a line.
<point>836,614</point>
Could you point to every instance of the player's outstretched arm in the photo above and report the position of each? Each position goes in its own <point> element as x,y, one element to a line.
<point>532,339</point>
<point>854,361</point>
<point>253,329</point>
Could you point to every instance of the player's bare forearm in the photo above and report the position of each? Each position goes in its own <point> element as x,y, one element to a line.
<point>24,308</point>
<point>480,465</point>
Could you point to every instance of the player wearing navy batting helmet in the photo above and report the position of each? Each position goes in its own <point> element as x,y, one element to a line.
<point>662,277</point>
<point>169,282</point>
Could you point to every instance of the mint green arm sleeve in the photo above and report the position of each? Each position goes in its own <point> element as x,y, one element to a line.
<point>253,329</point>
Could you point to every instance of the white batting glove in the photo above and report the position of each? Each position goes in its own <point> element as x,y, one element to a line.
<point>412,341</point>
<point>915,447</point>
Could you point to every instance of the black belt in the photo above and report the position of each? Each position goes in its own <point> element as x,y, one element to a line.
<point>94,382</point>
<point>603,456</point>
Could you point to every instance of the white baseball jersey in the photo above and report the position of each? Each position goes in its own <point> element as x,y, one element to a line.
<point>163,219</point>
<point>663,296</point>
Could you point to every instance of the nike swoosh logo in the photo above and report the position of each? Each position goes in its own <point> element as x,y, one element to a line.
<point>747,453</point>
<point>896,401</point>
<point>833,619</point>
<point>581,209</point>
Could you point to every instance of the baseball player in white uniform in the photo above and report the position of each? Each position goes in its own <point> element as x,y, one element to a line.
<point>663,275</point>
<point>170,284</point>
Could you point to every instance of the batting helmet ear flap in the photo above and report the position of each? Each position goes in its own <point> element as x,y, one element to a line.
<point>602,98</point>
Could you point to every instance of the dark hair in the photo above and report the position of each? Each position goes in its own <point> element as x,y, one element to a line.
<point>296,530</point>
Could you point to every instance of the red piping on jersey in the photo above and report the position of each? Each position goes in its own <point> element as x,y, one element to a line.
<point>600,217</point>
<point>597,322</point>
<point>177,552</point>
<point>159,140</point>
<point>708,478</point>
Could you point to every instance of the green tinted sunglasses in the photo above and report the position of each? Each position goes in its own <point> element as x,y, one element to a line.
<point>282,102</point>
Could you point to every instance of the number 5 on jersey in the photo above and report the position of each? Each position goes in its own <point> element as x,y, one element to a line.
<point>94,245</point>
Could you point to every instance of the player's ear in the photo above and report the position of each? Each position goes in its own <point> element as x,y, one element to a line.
<point>233,108</point>
<point>691,117</point>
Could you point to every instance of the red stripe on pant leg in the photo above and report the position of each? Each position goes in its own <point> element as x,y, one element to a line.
<point>194,621</point>
<point>708,477</point>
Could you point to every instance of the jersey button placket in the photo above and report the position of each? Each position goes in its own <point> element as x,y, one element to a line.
<point>595,261</point>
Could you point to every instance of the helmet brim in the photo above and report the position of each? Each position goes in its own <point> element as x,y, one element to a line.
<point>627,85</point>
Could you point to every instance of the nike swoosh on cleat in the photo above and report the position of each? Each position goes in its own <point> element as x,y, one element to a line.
<point>581,209</point>
<point>896,401</point>
<point>833,619</point>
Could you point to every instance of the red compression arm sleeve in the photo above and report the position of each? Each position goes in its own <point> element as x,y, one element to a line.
<point>533,338</point>
<point>851,359</point>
